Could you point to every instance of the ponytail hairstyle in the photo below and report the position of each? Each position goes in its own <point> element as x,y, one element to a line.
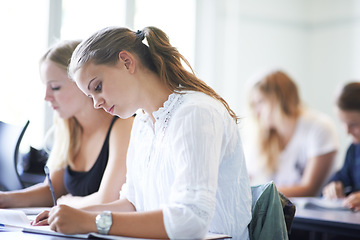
<point>67,132</point>
<point>349,97</point>
<point>278,88</point>
<point>158,55</point>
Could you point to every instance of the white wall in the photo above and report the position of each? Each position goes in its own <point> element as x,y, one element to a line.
<point>315,41</point>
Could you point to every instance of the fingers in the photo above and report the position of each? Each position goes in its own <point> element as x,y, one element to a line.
<point>62,218</point>
<point>41,219</point>
<point>353,201</point>
<point>334,190</point>
<point>53,217</point>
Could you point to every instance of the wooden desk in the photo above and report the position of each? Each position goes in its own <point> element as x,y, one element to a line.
<point>320,224</point>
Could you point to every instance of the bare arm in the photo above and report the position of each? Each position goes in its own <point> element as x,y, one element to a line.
<point>122,205</point>
<point>316,171</point>
<point>133,224</point>
<point>35,196</point>
<point>115,172</point>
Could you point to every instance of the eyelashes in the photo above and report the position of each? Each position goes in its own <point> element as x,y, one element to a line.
<point>98,87</point>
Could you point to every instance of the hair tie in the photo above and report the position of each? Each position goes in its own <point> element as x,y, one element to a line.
<point>140,35</point>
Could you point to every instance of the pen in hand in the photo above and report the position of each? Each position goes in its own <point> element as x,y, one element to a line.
<point>47,172</point>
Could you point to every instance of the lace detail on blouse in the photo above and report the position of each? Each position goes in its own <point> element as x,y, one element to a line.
<point>163,114</point>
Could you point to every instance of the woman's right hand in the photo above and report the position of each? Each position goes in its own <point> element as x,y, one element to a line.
<point>334,190</point>
<point>41,219</point>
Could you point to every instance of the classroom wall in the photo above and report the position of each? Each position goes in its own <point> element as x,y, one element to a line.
<point>315,41</point>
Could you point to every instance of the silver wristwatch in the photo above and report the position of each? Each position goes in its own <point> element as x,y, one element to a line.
<point>104,222</point>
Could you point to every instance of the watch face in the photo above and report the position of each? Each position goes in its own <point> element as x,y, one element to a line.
<point>104,221</point>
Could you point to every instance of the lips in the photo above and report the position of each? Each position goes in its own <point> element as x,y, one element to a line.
<point>110,110</point>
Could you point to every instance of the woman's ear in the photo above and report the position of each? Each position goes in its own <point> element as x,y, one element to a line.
<point>128,60</point>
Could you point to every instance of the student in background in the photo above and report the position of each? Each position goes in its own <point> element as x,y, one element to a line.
<point>346,182</point>
<point>294,146</point>
<point>186,172</point>
<point>87,160</point>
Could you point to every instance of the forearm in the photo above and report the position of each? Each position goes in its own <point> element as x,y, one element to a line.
<point>85,201</point>
<point>35,196</point>
<point>141,225</point>
<point>314,175</point>
<point>127,222</point>
<point>121,205</point>
<point>297,190</point>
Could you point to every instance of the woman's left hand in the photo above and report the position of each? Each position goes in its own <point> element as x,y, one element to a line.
<point>69,220</point>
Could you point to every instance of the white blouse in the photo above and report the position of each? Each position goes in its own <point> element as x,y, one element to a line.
<point>190,164</point>
<point>315,135</point>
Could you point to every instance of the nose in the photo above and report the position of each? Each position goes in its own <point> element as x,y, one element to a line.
<point>48,95</point>
<point>348,129</point>
<point>98,102</point>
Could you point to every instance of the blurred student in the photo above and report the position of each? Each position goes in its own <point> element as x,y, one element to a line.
<point>87,160</point>
<point>294,145</point>
<point>186,172</point>
<point>346,182</point>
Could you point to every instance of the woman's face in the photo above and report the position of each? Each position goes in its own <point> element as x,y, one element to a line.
<point>351,122</point>
<point>263,109</point>
<point>112,87</point>
<point>62,94</point>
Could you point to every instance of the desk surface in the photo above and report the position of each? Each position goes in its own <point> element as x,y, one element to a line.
<point>29,236</point>
<point>328,215</point>
<point>327,221</point>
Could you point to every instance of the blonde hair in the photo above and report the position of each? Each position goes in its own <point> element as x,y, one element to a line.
<point>278,88</point>
<point>158,56</point>
<point>67,132</point>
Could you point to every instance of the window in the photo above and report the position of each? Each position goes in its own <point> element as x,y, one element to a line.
<point>23,40</point>
<point>26,37</point>
<point>175,17</point>
<point>81,18</point>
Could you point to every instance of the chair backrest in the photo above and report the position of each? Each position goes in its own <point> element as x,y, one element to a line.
<point>268,220</point>
<point>10,138</point>
<point>289,210</point>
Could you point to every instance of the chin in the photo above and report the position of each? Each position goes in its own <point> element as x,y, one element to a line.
<point>64,116</point>
<point>122,115</point>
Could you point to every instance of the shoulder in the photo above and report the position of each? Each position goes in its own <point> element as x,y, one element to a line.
<point>199,110</point>
<point>352,148</point>
<point>317,120</point>
<point>200,102</point>
<point>121,128</point>
<point>319,130</point>
<point>123,123</point>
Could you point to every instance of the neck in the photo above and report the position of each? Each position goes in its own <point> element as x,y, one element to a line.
<point>154,93</point>
<point>90,118</point>
<point>286,129</point>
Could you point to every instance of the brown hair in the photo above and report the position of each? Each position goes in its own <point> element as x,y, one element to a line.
<point>159,56</point>
<point>277,87</point>
<point>349,97</point>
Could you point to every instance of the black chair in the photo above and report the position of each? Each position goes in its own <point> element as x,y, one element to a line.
<point>30,166</point>
<point>10,138</point>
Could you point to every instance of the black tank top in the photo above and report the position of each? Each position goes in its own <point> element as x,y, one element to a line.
<point>86,183</point>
